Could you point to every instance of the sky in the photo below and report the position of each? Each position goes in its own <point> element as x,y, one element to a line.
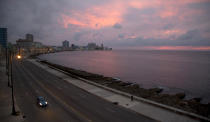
<point>120,24</point>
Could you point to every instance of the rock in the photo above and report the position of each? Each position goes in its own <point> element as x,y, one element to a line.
<point>197,99</point>
<point>180,95</point>
<point>125,83</point>
<point>115,103</point>
<point>116,79</point>
<point>183,103</point>
<point>156,90</point>
<point>145,93</point>
<point>135,86</point>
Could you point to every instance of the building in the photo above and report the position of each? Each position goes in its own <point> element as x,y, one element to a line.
<point>65,44</point>
<point>29,37</point>
<point>75,47</point>
<point>57,48</point>
<point>102,46</point>
<point>1,52</point>
<point>92,46</point>
<point>3,37</point>
<point>25,43</point>
<point>37,45</point>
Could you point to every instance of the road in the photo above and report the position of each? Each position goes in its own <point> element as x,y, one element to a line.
<point>67,103</point>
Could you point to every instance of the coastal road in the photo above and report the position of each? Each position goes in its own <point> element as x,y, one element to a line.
<point>67,103</point>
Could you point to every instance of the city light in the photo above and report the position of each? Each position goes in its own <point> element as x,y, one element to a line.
<point>19,56</point>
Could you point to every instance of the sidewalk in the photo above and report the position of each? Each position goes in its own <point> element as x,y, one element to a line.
<point>5,98</point>
<point>142,106</point>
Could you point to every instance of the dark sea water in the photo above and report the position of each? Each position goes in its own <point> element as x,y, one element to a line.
<point>175,71</point>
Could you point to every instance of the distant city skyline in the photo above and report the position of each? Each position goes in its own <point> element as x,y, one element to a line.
<point>121,24</point>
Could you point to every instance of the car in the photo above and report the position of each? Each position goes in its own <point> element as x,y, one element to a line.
<point>41,101</point>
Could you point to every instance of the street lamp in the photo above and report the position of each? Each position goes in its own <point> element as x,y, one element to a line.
<point>11,77</point>
<point>19,57</point>
<point>7,66</point>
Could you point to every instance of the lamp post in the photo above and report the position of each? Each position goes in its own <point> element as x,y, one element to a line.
<point>13,101</point>
<point>8,67</point>
<point>18,50</point>
<point>6,61</point>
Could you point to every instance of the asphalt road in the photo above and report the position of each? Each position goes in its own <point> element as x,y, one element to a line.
<point>67,103</point>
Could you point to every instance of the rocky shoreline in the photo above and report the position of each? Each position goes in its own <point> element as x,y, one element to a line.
<point>154,94</point>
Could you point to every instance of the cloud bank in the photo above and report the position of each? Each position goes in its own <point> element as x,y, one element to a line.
<point>117,23</point>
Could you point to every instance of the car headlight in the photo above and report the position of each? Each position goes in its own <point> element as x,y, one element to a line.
<point>40,103</point>
<point>46,102</point>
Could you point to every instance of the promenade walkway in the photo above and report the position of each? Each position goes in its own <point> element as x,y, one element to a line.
<point>5,98</point>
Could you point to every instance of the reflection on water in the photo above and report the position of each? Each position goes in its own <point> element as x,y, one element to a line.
<point>183,70</point>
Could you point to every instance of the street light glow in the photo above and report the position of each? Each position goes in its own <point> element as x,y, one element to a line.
<point>18,56</point>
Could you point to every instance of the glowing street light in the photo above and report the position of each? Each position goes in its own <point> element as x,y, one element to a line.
<point>19,56</point>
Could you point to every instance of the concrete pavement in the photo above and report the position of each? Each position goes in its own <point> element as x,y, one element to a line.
<point>5,98</point>
<point>155,112</point>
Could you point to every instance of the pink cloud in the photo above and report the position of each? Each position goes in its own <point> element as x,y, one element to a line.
<point>144,25</point>
<point>108,14</point>
<point>95,17</point>
<point>176,47</point>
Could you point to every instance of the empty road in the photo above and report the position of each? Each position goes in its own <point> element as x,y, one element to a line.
<point>67,103</point>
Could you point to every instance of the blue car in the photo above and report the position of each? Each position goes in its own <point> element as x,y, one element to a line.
<point>41,102</point>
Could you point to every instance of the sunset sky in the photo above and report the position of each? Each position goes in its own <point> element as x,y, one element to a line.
<point>128,24</point>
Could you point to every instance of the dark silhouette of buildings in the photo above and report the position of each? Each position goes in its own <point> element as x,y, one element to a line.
<point>3,37</point>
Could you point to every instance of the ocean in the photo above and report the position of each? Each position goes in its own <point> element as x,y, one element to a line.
<point>174,71</point>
